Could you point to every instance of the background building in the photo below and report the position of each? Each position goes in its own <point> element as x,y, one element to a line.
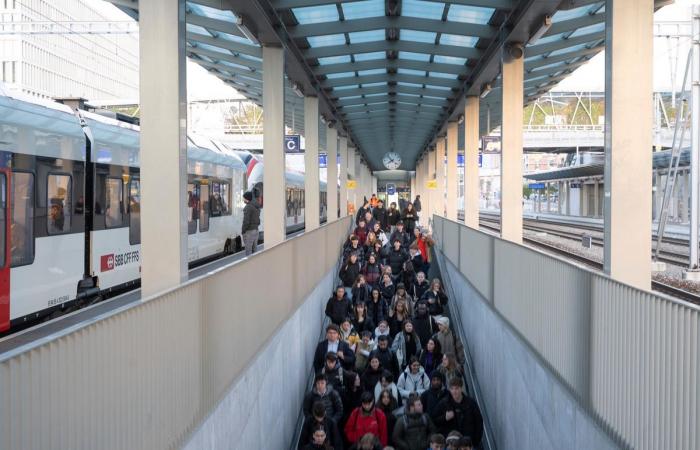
<point>68,48</point>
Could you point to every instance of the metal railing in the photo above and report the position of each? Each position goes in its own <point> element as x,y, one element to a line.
<point>632,357</point>
<point>145,376</point>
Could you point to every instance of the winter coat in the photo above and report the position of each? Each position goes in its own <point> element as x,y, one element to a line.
<point>377,311</point>
<point>352,337</point>
<point>431,397</point>
<point>391,388</point>
<point>382,237</point>
<point>347,251</point>
<point>430,361</point>
<point>338,310</point>
<point>424,245</point>
<point>371,377</point>
<point>331,400</point>
<point>392,216</point>
<point>332,433</point>
<point>450,343</point>
<point>361,233</point>
<point>425,326</point>
<point>362,354</point>
<point>322,348</point>
<point>380,216</point>
<point>388,360</point>
<point>412,432</point>
<point>340,379</point>
<point>410,382</point>
<point>251,217</point>
<point>436,302</point>
<point>467,418</point>
<point>349,272</point>
<point>401,236</point>
<point>400,348</point>
<point>366,325</point>
<point>395,259</point>
<point>360,424</point>
<point>387,292</point>
<point>360,294</point>
<point>360,214</point>
<point>417,205</point>
<point>418,289</point>
<point>409,218</point>
<point>372,273</point>
<point>396,325</point>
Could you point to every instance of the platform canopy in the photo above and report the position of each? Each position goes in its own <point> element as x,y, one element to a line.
<point>391,73</point>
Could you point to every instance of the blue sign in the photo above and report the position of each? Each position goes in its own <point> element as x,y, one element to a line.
<point>481,159</point>
<point>323,160</point>
<point>460,159</point>
<point>390,189</point>
<point>292,143</point>
<point>536,185</point>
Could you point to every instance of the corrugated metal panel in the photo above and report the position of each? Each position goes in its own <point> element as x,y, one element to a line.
<point>144,377</point>
<point>631,356</point>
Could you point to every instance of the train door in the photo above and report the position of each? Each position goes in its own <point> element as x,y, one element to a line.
<point>4,244</point>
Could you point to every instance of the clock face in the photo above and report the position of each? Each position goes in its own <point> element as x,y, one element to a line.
<point>392,160</point>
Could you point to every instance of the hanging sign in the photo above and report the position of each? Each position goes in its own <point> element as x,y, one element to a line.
<point>351,184</point>
<point>323,160</point>
<point>390,189</point>
<point>292,143</point>
<point>431,184</point>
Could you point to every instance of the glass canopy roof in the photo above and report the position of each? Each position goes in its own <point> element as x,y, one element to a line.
<point>394,69</point>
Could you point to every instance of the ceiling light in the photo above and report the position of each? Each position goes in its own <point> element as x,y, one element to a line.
<point>297,90</point>
<point>546,24</point>
<point>247,32</point>
<point>461,119</point>
<point>486,90</point>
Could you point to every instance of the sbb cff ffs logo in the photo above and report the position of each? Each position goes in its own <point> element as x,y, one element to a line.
<point>106,262</point>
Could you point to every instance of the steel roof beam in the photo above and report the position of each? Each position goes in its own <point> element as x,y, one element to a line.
<point>396,88</point>
<point>221,56</point>
<point>288,4</point>
<point>540,49</point>
<point>386,77</point>
<point>214,24</point>
<point>235,47</point>
<point>248,76</point>
<point>400,22</point>
<point>542,62</point>
<point>574,24</point>
<point>397,106</point>
<point>398,97</point>
<point>391,64</point>
<point>385,46</point>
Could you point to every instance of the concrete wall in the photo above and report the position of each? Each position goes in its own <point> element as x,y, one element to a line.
<point>528,406</point>
<point>261,408</point>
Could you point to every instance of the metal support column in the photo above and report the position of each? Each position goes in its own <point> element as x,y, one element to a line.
<point>274,223</point>
<point>471,165</point>
<point>431,194</point>
<point>546,193</point>
<point>560,197</point>
<point>164,212</point>
<point>352,173</point>
<point>512,148</point>
<point>343,178</point>
<point>452,180</point>
<point>332,171</point>
<point>312,206</point>
<point>628,109</point>
<point>596,199</point>
<point>695,140</point>
<point>440,176</point>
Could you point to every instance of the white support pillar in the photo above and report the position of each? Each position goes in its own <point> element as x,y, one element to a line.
<point>332,171</point>
<point>274,207</point>
<point>512,149</point>
<point>312,185</point>
<point>596,199</point>
<point>440,174</point>
<point>452,187</point>
<point>471,162</point>
<point>628,140</point>
<point>352,170</point>
<point>432,170</point>
<point>163,103</point>
<point>343,178</point>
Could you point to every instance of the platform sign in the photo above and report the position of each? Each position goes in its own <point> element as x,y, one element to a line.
<point>536,185</point>
<point>574,185</point>
<point>481,159</point>
<point>351,184</point>
<point>431,184</point>
<point>460,159</point>
<point>491,144</point>
<point>323,160</point>
<point>292,143</point>
<point>390,189</point>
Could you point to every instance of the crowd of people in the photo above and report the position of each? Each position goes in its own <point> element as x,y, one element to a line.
<point>389,371</point>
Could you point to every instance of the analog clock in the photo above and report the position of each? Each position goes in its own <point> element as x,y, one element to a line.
<point>392,160</point>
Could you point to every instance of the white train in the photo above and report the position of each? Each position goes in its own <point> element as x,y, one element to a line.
<point>70,207</point>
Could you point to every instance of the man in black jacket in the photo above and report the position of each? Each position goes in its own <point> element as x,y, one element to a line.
<point>339,306</point>
<point>379,214</point>
<point>400,234</point>
<point>437,392</point>
<point>333,343</point>
<point>414,428</point>
<point>459,412</point>
<point>251,222</point>
<point>322,392</point>
<point>386,357</point>
<point>361,212</point>
<point>393,216</point>
<point>318,417</point>
<point>396,257</point>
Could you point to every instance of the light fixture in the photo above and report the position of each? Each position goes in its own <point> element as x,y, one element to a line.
<point>546,24</point>
<point>323,119</point>
<point>247,32</point>
<point>516,50</point>
<point>461,119</point>
<point>486,90</point>
<point>297,90</point>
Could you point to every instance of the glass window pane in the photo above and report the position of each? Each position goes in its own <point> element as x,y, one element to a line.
<point>204,210</point>
<point>59,201</point>
<point>135,212</point>
<point>113,206</point>
<point>22,226</point>
<point>193,207</point>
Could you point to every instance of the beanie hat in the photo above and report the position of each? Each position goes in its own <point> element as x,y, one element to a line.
<point>443,321</point>
<point>248,195</point>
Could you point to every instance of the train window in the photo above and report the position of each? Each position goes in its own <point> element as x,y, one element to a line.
<point>22,220</point>
<point>193,207</point>
<point>225,199</point>
<point>113,202</point>
<point>219,199</point>
<point>135,211</point>
<point>204,210</point>
<point>59,201</point>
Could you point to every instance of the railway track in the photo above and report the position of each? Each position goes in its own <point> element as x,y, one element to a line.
<point>597,265</point>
